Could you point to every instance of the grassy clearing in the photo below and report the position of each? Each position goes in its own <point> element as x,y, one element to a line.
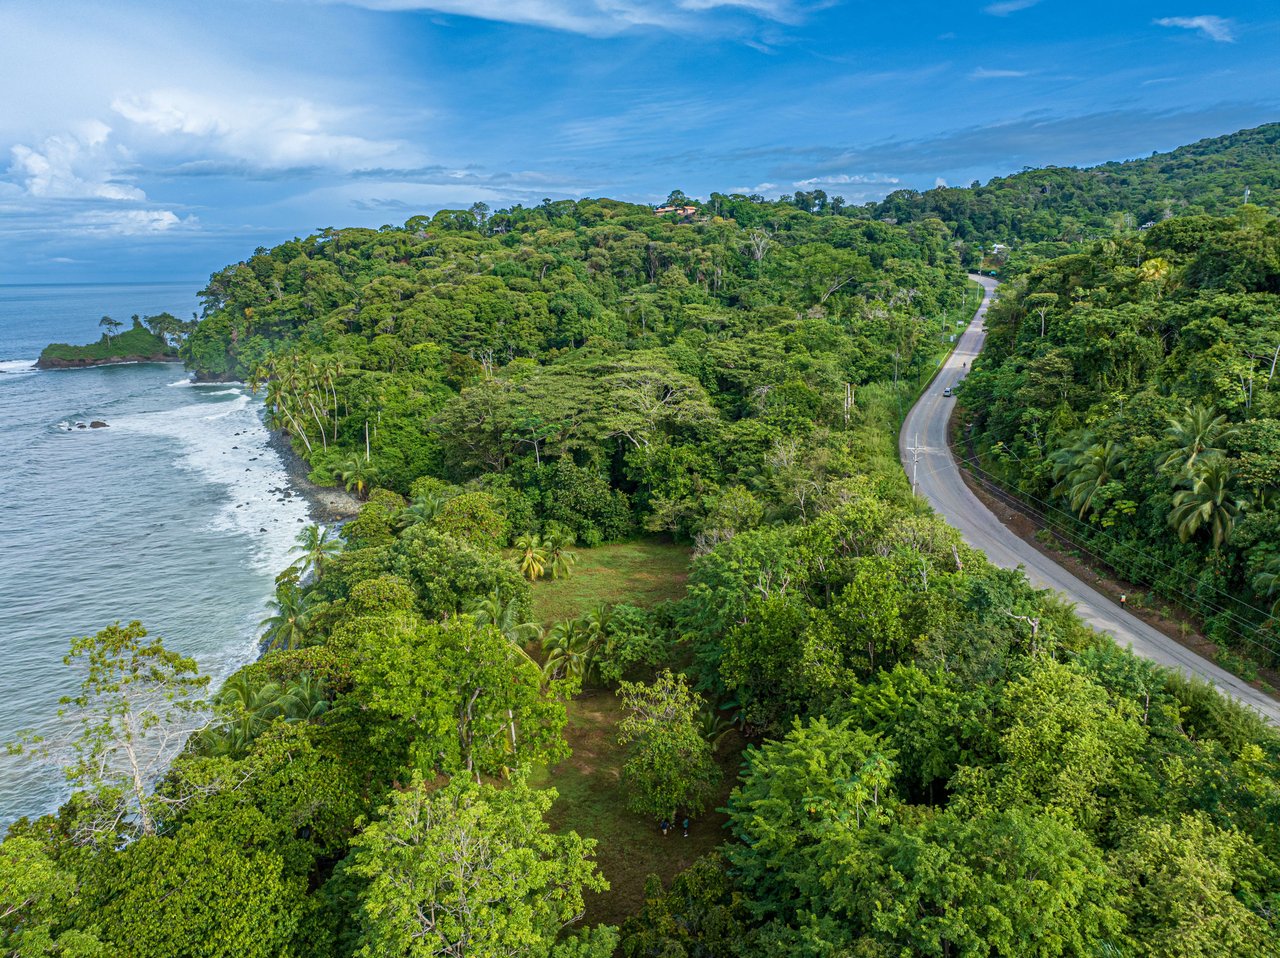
<point>642,573</point>
<point>593,803</point>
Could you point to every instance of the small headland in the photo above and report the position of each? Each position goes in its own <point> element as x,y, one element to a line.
<point>135,345</point>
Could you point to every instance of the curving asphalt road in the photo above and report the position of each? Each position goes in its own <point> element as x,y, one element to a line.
<point>937,478</point>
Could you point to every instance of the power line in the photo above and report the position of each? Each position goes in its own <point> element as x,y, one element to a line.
<point>1191,600</point>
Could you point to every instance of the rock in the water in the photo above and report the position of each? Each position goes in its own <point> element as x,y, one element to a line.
<point>97,424</point>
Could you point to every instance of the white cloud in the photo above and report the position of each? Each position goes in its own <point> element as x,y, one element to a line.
<point>1215,28</point>
<point>939,183</point>
<point>982,73</point>
<point>845,179</point>
<point>80,164</point>
<point>603,17</point>
<point>132,222</point>
<point>1006,7</point>
<point>273,133</point>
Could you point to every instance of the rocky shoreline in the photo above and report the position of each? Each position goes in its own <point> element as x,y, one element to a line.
<point>49,362</point>
<point>328,503</point>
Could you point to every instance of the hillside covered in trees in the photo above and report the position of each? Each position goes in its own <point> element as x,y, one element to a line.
<point>1134,387</point>
<point>932,758</point>
<point>1048,210</point>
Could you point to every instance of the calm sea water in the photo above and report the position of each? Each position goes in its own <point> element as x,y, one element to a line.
<point>171,515</point>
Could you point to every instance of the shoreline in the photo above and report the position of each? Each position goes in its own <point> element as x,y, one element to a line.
<point>328,504</point>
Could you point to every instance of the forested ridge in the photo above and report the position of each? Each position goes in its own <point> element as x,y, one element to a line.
<point>934,758</point>
<point>1050,211</point>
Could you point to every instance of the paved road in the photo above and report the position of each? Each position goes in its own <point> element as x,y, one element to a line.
<point>938,480</point>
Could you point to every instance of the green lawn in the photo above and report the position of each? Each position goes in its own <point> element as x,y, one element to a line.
<point>642,573</point>
<point>593,803</point>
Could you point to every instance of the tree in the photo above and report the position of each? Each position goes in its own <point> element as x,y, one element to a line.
<point>198,894</point>
<point>670,768</point>
<point>474,517</point>
<point>470,871</point>
<point>1208,501</point>
<point>316,545</point>
<point>1183,882</point>
<point>111,326</point>
<point>458,698</point>
<point>503,613</point>
<point>1201,432</point>
<point>1004,884</point>
<point>286,626</point>
<point>357,475</point>
<point>533,555</point>
<point>138,702</point>
<point>1084,469</point>
<point>558,542</point>
<point>35,897</point>
<point>802,805</point>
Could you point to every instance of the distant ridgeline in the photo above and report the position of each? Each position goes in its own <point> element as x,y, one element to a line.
<point>1049,211</point>
<point>149,343</point>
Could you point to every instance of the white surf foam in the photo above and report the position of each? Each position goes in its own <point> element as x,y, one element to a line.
<point>17,367</point>
<point>226,443</point>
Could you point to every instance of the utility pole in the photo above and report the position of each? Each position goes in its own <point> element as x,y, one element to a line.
<point>915,462</point>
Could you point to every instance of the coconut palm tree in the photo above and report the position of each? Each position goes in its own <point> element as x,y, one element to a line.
<point>504,614</point>
<point>286,626</point>
<point>1199,432</point>
<point>1208,501</point>
<point>1267,582</point>
<point>1084,467</point>
<point>423,509</point>
<point>304,699</point>
<point>316,546</point>
<point>358,476</point>
<point>558,541</point>
<point>569,647</point>
<point>533,555</point>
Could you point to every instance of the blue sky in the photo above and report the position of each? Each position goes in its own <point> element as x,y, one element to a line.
<point>164,140</point>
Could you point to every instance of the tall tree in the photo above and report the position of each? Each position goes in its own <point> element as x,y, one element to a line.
<point>137,704</point>
<point>470,871</point>
<point>670,768</point>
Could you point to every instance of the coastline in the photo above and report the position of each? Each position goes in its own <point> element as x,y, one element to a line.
<point>327,504</point>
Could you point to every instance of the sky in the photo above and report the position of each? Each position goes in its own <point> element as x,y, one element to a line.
<point>164,139</point>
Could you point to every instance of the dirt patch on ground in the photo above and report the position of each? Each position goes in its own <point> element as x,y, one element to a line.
<point>592,801</point>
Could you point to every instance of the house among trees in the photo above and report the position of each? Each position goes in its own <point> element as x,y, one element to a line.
<point>684,212</point>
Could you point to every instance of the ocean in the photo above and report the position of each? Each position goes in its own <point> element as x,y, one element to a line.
<point>172,515</point>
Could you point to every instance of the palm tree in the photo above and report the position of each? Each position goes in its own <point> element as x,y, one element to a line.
<point>558,541</point>
<point>286,627</point>
<point>504,614</point>
<point>316,545</point>
<point>1200,432</point>
<point>357,474</point>
<point>1083,468</point>
<point>533,555</point>
<point>423,509</point>
<point>245,710</point>
<point>569,647</point>
<point>304,699</point>
<point>1208,501</point>
<point>1267,582</point>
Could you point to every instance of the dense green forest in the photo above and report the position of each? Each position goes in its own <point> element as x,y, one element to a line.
<point>1132,387</point>
<point>928,757</point>
<point>1051,211</point>
<point>143,341</point>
